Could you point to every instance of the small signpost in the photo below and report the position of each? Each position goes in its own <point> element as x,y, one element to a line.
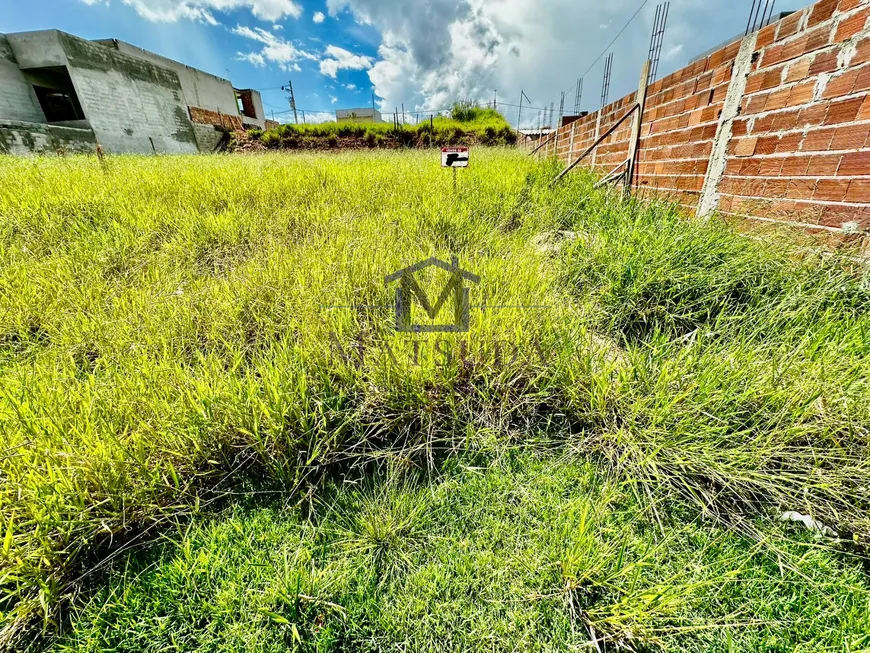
<point>454,157</point>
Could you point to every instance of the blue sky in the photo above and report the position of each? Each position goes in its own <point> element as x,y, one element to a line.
<point>422,54</point>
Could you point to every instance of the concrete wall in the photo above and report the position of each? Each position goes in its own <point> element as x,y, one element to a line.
<point>37,49</point>
<point>131,104</point>
<point>362,114</point>
<point>200,88</point>
<point>778,132</point>
<point>30,138</point>
<point>208,137</point>
<point>17,99</point>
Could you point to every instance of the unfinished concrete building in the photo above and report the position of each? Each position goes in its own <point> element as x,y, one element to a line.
<point>61,92</point>
<point>358,115</point>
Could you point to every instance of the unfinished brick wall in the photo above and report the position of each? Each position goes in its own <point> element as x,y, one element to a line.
<point>798,149</point>
<point>207,117</point>
<point>246,96</point>
<point>679,124</point>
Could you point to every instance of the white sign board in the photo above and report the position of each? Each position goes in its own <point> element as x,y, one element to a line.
<point>454,157</point>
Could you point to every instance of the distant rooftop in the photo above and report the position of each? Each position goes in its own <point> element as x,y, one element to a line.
<point>535,132</point>
<point>363,112</point>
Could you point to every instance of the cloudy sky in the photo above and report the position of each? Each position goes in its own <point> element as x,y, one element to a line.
<point>423,54</point>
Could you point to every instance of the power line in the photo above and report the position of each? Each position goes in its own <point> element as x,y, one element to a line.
<point>603,52</point>
<point>642,4</point>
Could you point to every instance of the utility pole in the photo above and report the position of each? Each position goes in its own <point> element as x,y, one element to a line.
<point>289,89</point>
<point>520,114</point>
<point>495,99</point>
<point>519,117</point>
<point>561,109</point>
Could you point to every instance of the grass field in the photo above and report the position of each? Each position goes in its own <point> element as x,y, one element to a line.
<point>465,126</point>
<point>190,463</point>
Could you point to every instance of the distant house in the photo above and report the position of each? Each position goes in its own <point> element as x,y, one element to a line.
<point>532,136</point>
<point>358,115</point>
<point>62,92</point>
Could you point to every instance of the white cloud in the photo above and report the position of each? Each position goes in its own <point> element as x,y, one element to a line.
<point>318,17</point>
<point>317,117</point>
<point>277,27</point>
<point>311,117</point>
<point>254,58</point>
<point>333,99</point>
<point>329,67</point>
<point>350,87</point>
<point>342,59</point>
<point>436,52</point>
<point>673,52</point>
<point>275,49</point>
<point>170,11</point>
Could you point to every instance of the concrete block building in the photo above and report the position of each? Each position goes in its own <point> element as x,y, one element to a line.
<point>358,115</point>
<point>62,92</point>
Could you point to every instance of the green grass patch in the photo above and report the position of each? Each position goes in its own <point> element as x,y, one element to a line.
<point>170,329</point>
<point>516,553</point>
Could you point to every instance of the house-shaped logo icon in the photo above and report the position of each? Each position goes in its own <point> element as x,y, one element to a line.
<point>455,289</point>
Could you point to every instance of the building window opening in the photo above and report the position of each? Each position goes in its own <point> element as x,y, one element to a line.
<point>55,92</point>
<point>245,99</point>
<point>58,105</point>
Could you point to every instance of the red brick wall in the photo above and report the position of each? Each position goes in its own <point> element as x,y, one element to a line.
<point>207,117</point>
<point>247,99</point>
<point>679,124</point>
<point>800,147</point>
<point>798,151</point>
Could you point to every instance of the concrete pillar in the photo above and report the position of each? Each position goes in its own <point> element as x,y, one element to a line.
<point>597,133</point>
<point>709,200</point>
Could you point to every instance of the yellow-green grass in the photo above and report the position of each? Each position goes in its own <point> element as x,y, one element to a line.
<point>169,325</point>
<point>166,322</point>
